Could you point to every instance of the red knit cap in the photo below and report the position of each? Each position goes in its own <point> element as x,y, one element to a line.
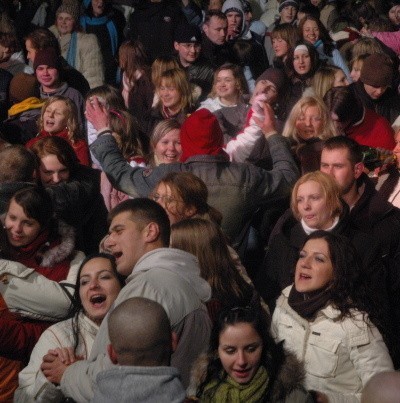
<point>201,135</point>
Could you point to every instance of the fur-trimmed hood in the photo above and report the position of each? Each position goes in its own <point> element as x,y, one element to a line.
<point>289,378</point>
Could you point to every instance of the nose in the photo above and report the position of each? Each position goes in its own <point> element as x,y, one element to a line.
<point>308,121</point>
<point>94,283</point>
<point>17,227</point>
<point>241,358</point>
<point>109,242</point>
<point>56,177</point>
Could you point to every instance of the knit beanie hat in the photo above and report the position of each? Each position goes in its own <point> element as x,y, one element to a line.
<point>47,57</point>
<point>70,7</point>
<point>201,135</point>
<point>22,86</point>
<point>377,70</point>
<point>187,33</point>
<point>287,3</point>
<point>276,76</point>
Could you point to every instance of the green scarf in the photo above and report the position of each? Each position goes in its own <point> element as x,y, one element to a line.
<point>230,391</point>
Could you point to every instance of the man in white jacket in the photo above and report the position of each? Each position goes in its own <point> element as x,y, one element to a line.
<point>138,238</point>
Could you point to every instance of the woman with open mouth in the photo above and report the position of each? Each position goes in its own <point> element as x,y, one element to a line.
<point>330,320</point>
<point>243,363</point>
<point>315,205</point>
<point>97,287</point>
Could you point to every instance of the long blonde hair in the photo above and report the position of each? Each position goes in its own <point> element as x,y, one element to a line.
<point>74,133</point>
<point>328,128</point>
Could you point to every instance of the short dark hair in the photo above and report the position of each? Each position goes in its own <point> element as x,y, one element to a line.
<point>214,13</point>
<point>145,211</point>
<point>343,142</point>
<point>17,164</point>
<point>36,204</point>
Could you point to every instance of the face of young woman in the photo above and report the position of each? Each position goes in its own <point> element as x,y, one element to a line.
<point>312,207</point>
<point>356,70</point>
<point>52,171</point>
<point>280,46</point>
<point>65,23</point>
<point>314,269</point>
<point>340,79</point>
<point>30,51</point>
<point>169,96</point>
<point>240,349</point>
<point>21,229</point>
<point>394,15</point>
<point>172,203</point>
<point>310,31</point>
<point>169,148</point>
<point>309,123</point>
<point>302,63</point>
<point>55,117</point>
<point>225,85</point>
<point>99,287</point>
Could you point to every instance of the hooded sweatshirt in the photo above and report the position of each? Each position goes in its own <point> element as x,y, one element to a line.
<point>139,384</point>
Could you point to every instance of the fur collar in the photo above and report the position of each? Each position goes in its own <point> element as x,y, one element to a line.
<point>289,378</point>
<point>60,252</point>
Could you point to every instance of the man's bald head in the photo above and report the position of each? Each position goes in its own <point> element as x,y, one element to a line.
<point>382,388</point>
<point>140,333</point>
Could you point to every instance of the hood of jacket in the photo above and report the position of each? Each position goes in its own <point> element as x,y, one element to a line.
<point>139,384</point>
<point>178,262</point>
<point>235,5</point>
<point>289,377</point>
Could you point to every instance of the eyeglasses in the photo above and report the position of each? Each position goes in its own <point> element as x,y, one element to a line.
<point>165,198</point>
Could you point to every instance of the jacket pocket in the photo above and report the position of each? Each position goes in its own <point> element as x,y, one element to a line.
<point>322,357</point>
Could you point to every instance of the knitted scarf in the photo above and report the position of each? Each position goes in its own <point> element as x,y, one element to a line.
<point>230,391</point>
<point>112,31</point>
<point>308,304</point>
<point>71,54</point>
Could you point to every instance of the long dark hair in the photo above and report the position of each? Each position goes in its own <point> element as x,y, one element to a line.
<point>77,306</point>
<point>272,355</point>
<point>349,288</point>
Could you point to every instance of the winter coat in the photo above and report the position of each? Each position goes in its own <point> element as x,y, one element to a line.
<point>79,203</point>
<point>379,219</point>
<point>287,387</point>
<point>139,384</point>
<point>235,189</point>
<point>170,277</point>
<point>53,260</point>
<point>33,385</point>
<point>339,356</point>
<point>88,58</point>
<point>387,105</point>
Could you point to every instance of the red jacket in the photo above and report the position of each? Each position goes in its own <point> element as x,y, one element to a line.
<point>373,131</point>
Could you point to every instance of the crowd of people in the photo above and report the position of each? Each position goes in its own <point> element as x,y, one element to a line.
<point>200,201</point>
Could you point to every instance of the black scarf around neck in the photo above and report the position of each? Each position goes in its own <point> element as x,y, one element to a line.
<point>308,304</point>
